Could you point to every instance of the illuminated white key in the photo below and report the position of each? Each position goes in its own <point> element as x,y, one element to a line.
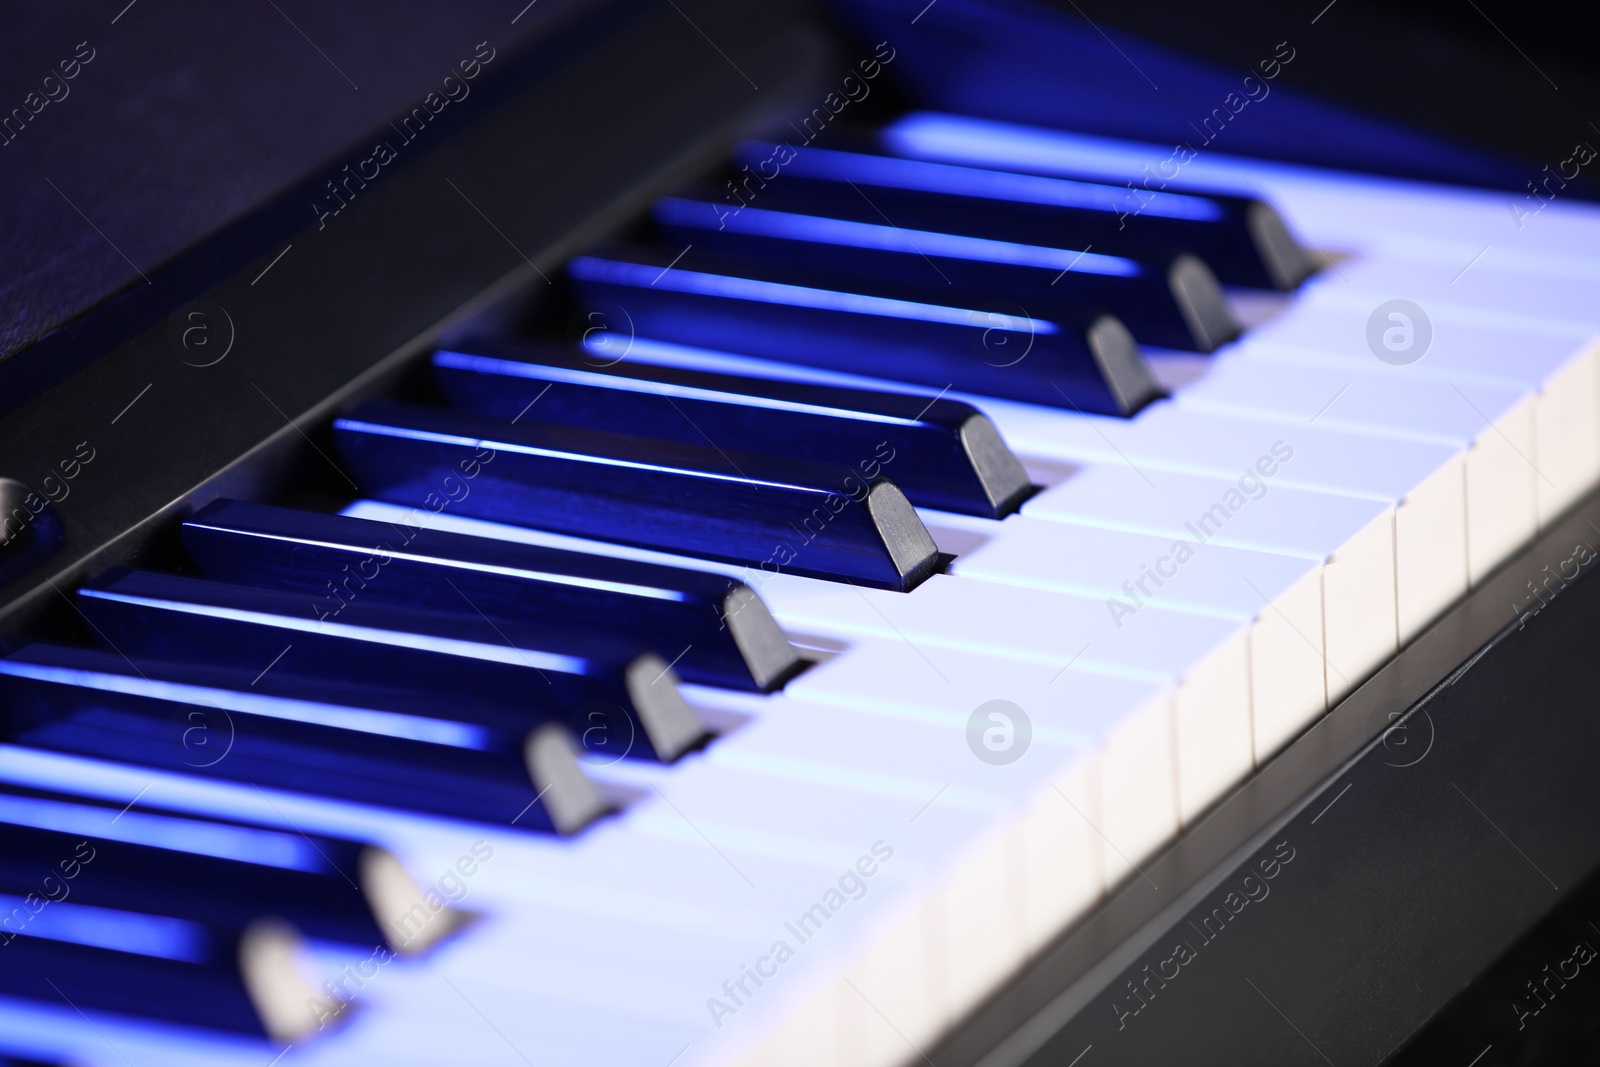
<point>1334,209</point>
<point>933,763</point>
<point>1352,538</point>
<point>1423,481</point>
<point>1520,296</point>
<point>1492,423</point>
<point>1088,815</point>
<point>1204,658</point>
<point>1124,722</point>
<point>1559,363</point>
<point>1278,597</point>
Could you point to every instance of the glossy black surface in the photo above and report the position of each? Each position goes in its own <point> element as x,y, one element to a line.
<point>836,230</point>
<point>770,512</point>
<point>497,673</point>
<point>109,855</point>
<point>941,453</point>
<point>731,638</point>
<point>1225,231</point>
<point>882,330</point>
<point>368,744</point>
<point>205,988</point>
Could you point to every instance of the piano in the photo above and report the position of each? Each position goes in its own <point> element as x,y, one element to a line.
<point>712,534</point>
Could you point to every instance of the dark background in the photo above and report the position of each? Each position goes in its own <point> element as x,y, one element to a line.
<point>190,116</point>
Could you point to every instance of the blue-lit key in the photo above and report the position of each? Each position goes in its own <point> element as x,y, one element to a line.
<point>767,512</point>
<point>500,673</point>
<point>369,744</point>
<point>63,847</point>
<point>942,454</point>
<point>1242,239</point>
<point>718,629</point>
<point>835,230</point>
<point>162,964</point>
<point>1091,364</point>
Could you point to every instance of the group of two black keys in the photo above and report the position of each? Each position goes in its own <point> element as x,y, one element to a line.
<point>201,920</point>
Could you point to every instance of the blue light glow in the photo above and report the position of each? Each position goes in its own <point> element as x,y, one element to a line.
<point>361,720</point>
<point>409,434</point>
<point>267,848</point>
<point>466,565</point>
<point>922,176</point>
<point>643,275</point>
<point>687,357</point>
<point>450,646</point>
<point>540,372</point>
<point>121,931</point>
<point>815,228</point>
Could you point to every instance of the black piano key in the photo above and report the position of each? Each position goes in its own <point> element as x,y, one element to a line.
<point>391,747</point>
<point>519,673</point>
<point>730,637</point>
<point>1242,239</point>
<point>942,454</point>
<point>766,512</point>
<point>1175,302</point>
<point>65,847</point>
<point>252,980</point>
<point>879,330</point>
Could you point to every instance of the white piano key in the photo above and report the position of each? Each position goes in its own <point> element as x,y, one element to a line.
<point>893,756</point>
<point>894,749</point>
<point>1559,363</point>
<point>1519,296</point>
<point>1205,658</point>
<point>1492,423</point>
<point>1048,871</point>
<point>1331,208</point>
<point>1468,344</point>
<point>1278,597</point>
<point>1126,723</point>
<point>892,996</point>
<point>1352,538</point>
<point>890,1003</point>
<point>1347,399</point>
<point>742,811</point>
<point>510,1027</point>
<point>1424,481</point>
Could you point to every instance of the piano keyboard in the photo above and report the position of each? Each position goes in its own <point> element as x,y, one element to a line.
<point>821,720</point>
